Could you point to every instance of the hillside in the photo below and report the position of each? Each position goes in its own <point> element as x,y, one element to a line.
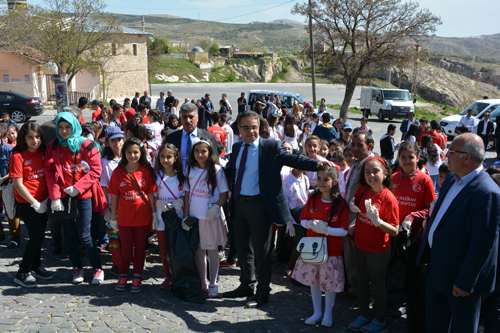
<point>486,46</point>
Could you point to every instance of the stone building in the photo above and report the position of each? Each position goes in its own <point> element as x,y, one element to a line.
<point>197,55</point>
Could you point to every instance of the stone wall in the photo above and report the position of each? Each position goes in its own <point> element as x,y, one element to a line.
<point>477,73</point>
<point>129,72</point>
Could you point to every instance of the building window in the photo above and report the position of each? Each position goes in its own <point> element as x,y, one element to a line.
<point>113,49</point>
<point>134,47</point>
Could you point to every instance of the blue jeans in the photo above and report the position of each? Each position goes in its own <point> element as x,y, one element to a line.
<point>80,229</point>
<point>98,229</point>
<point>435,181</point>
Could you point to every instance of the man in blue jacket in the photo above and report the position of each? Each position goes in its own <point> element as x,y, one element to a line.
<point>461,241</point>
<point>405,124</point>
<point>258,201</point>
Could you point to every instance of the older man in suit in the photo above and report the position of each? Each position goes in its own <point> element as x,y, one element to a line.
<point>183,139</point>
<point>405,124</point>
<point>485,128</point>
<point>461,241</point>
<point>257,201</point>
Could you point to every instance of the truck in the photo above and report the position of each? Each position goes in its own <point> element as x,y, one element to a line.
<point>386,103</point>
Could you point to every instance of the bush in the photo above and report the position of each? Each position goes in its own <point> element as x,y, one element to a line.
<point>284,69</point>
<point>231,77</point>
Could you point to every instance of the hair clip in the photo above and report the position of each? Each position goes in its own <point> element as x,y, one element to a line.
<point>141,144</point>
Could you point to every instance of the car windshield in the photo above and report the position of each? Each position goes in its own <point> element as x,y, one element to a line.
<point>494,112</point>
<point>476,107</point>
<point>397,95</point>
<point>301,99</point>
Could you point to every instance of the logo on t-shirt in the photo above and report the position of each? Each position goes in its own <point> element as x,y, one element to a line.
<point>416,188</point>
<point>142,182</point>
<point>123,184</point>
<point>28,162</point>
<point>376,206</point>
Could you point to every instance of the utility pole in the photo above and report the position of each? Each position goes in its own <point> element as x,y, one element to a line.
<point>313,71</point>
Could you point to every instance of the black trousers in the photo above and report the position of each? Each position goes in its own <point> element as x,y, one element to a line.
<point>252,236</point>
<point>36,224</point>
<point>485,140</point>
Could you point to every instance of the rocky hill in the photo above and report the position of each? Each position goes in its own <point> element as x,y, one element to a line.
<point>485,46</point>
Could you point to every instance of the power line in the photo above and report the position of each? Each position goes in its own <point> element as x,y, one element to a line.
<point>191,8</point>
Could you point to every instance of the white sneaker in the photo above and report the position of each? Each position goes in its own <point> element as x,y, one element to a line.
<point>78,274</point>
<point>98,277</point>
<point>213,291</point>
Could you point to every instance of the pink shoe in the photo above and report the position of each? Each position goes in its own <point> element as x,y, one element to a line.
<point>167,283</point>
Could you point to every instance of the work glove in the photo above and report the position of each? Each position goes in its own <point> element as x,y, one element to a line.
<point>107,215</point>
<point>320,227</point>
<point>163,205</point>
<point>39,207</point>
<point>372,213</point>
<point>353,208</point>
<point>290,230</point>
<point>212,213</point>
<point>72,191</point>
<point>184,225</point>
<point>114,225</point>
<point>57,205</point>
<point>155,221</point>
<point>178,204</point>
<point>406,224</point>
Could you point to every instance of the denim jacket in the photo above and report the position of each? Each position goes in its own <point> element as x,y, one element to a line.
<point>5,152</point>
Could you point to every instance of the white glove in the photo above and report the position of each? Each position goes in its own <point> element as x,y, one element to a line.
<point>178,204</point>
<point>372,213</point>
<point>155,221</point>
<point>57,205</point>
<point>107,215</point>
<point>320,227</point>
<point>406,224</point>
<point>72,191</point>
<point>39,207</point>
<point>163,205</point>
<point>352,226</point>
<point>212,213</point>
<point>184,225</point>
<point>290,230</point>
<point>114,225</point>
<point>353,208</point>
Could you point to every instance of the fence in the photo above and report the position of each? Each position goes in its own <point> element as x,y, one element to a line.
<point>175,55</point>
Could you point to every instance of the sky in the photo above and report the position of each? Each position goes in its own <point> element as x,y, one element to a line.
<point>461,18</point>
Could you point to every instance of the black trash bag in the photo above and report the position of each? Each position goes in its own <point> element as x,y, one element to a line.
<point>181,246</point>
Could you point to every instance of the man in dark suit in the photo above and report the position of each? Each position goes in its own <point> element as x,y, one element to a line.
<point>135,101</point>
<point>258,201</point>
<point>182,139</point>
<point>461,241</point>
<point>405,125</point>
<point>485,128</point>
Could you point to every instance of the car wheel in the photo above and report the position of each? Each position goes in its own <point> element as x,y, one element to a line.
<point>18,116</point>
<point>381,115</point>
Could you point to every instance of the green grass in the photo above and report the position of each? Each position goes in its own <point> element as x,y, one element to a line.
<point>246,62</point>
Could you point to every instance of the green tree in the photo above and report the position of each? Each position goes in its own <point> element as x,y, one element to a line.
<point>162,44</point>
<point>214,49</point>
<point>204,44</point>
<point>364,35</point>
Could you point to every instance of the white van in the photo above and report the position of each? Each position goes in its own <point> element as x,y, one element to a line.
<point>286,97</point>
<point>448,124</point>
<point>386,103</point>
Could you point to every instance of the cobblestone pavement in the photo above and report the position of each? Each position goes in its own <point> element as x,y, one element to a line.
<point>59,306</point>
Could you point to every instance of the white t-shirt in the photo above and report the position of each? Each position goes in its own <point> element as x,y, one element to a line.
<point>273,134</point>
<point>107,170</point>
<point>230,139</point>
<point>293,140</point>
<point>313,175</point>
<point>412,138</point>
<point>163,194</point>
<point>198,206</point>
<point>285,172</point>
<point>343,176</point>
<point>173,110</point>
<point>156,128</point>
<point>296,191</point>
<point>434,168</point>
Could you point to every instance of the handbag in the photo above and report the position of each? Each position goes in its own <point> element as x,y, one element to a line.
<point>8,199</point>
<point>70,204</point>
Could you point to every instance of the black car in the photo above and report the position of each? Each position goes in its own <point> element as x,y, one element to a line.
<point>19,106</point>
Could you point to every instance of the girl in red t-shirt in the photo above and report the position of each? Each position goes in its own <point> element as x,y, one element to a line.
<point>11,136</point>
<point>30,191</point>
<point>326,213</point>
<point>378,218</point>
<point>132,185</point>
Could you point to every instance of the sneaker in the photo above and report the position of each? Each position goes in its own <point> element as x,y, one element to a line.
<point>115,270</point>
<point>227,263</point>
<point>167,283</point>
<point>78,275</point>
<point>25,280</point>
<point>14,243</point>
<point>122,283</point>
<point>98,277</point>
<point>358,323</point>
<point>374,327</point>
<point>136,285</point>
<point>42,273</point>
<point>213,291</point>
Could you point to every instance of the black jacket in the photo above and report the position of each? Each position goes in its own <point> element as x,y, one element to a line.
<point>175,139</point>
<point>489,127</point>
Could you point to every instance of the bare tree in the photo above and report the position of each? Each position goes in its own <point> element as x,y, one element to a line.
<point>365,34</point>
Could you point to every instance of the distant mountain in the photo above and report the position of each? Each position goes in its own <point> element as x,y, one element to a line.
<point>289,22</point>
<point>485,46</point>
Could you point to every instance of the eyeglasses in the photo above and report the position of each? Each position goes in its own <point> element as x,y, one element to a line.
<point>347,130</point>
<point>451,151</point>
<point>250,128</point>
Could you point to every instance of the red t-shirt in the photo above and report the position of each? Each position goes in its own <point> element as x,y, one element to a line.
<point>414,193</point>
<point>435,137</point>
<point>321,211</point>
<point>129,114</point>
<point>29,166</point>
<point>82,119</point>
<point>68,165</point>
<point>219,133</point>
<point>367,236</point>
<point>96,115</point>
<point>145,119</point>
<point>132,210</point>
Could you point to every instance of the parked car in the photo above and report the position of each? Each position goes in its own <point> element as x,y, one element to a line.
<point>286,97</point>
<point>19,106</point>
<point>386,103</point>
